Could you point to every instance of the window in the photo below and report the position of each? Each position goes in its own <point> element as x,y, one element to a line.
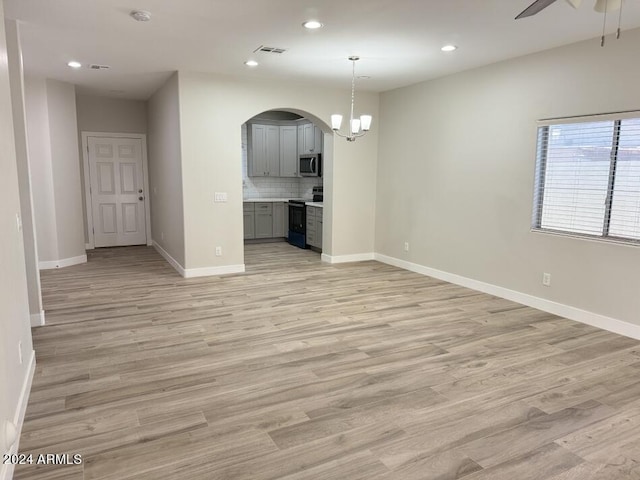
<point>588,177</point>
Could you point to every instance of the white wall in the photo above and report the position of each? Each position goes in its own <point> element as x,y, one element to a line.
<point>53,151</point>
<point>16,76</point>
<point>212,109</point>
<point>37,113</point>
<point>104,114</point>
<point>63,127</point>
<point>456,173</point>
<point>14,305</point>
<point>113,115</point>
<point>165,170</point>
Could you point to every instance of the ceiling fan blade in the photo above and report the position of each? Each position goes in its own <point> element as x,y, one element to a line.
<point>535,7</point>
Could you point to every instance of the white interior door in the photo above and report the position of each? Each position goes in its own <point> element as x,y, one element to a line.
<point>117,191</point>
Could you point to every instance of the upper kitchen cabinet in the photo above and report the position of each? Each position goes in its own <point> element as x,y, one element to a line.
<point>288,151</point>
<point>309,139</point>
<point>264,150</point>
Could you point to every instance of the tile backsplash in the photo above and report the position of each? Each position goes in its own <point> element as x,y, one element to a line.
<point>273,187</point>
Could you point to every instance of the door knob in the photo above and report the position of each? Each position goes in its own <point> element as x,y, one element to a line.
<point>140,198</point>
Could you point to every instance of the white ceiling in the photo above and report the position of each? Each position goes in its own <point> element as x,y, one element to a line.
<point>398,40</point>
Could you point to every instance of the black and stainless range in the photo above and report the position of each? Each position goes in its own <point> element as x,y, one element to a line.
<point>298,218</point>
<point>297,223</point>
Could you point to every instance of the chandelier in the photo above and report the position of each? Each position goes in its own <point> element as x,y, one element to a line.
<point>357,126</point>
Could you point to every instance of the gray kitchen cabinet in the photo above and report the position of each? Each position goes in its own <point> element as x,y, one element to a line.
<point>249,220</point>
<point>288,151</point>
<point>309,139</point>
<point>264,220</point>
<point>263,155</point>
<point>279,229</point>
<point>314,226</point>
<point>319,213</point>
<point>311,226</point>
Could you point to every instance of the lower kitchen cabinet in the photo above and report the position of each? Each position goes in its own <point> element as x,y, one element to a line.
<point>314,226</point>
<point>279,229</point>
<point>265,220</point>
<point>249,220</point>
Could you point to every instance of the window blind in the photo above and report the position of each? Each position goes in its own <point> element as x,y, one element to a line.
<point>588,177</point>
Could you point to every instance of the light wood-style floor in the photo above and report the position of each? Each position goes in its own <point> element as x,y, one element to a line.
<point>307,371</point>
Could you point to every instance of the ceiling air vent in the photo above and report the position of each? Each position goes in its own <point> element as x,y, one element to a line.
<point>265,49</point>
<point>95,66</point>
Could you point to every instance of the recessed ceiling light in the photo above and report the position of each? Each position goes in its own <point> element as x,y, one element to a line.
<point>312,24</point>
<point>74,64</point>
<point>449,48</point>
<point>140,15</point>
<point>251,63</point>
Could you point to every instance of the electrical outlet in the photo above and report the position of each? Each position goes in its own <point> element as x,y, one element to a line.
<point>218,251</point>
<point>546,279</point>
<point>220,197</point>
<point>406,246</point>
<point>20,352</point>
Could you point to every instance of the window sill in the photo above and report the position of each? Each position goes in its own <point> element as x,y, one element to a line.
<point>589,238</point>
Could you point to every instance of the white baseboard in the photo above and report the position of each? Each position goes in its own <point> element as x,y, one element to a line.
<point>358,257</point>
<point>198,272</point>
<point>213,271</point>
<point>65,262</point>
<point>172,261</point>
<point>37,319</point>
<point>583,316</point>
<point>6,471</point>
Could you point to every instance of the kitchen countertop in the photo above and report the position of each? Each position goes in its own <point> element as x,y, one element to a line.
<point>267,200</point>
<point>253,200</point>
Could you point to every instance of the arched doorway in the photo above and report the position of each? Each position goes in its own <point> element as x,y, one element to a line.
<point>285,156</point>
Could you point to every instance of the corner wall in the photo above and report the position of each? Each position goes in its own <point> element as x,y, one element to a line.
<point>165,172</point>
<point>16,370</point>
<point>16,76</point>
<point>456,173</point>
<point>55,168</point>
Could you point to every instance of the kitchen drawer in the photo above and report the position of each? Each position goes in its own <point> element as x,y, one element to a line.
<point>311,223</point>
<point>263,207</point>
<point>248,207</point>
<point>311,211</point>
<point>311,237</point>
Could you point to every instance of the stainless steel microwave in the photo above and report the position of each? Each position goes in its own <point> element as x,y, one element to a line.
<point>310,165</point>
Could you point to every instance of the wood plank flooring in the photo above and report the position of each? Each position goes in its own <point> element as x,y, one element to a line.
<point>299,370</point>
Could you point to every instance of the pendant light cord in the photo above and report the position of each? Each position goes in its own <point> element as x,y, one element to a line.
<point>604,23</point>
<point>619,20</point>
<point>353,95</point>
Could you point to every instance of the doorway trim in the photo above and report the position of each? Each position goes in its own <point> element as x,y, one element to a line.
<point>87,180</point>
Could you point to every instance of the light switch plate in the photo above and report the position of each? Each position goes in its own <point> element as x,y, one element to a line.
<point>220,197</point>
